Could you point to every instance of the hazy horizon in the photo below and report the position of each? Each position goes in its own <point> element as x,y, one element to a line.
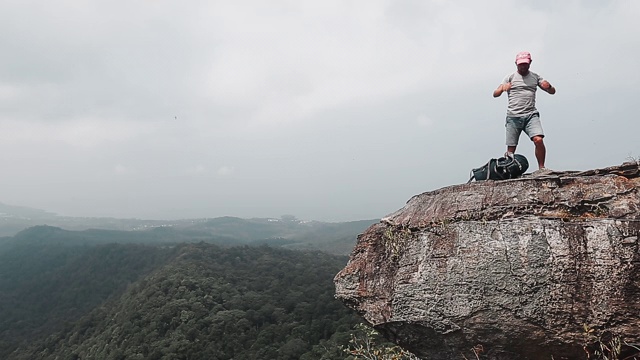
<point>330,111</point>
<point>286,217</point>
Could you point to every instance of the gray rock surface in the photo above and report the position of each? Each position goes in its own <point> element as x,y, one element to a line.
<point>509,269</point>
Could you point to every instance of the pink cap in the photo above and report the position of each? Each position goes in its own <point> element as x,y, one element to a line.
<point>523,57</point>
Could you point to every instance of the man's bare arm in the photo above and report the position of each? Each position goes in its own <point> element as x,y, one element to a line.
<point>544,85</point>
<point>501,88</point>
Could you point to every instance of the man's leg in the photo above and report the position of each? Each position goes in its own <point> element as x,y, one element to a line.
<point>535,133</point>
<point>513,129</point>
<point>541,151</point>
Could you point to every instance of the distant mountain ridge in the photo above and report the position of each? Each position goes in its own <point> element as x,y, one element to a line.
<point>24,212</point>
<point>287,231</point>
<point>334,238</point>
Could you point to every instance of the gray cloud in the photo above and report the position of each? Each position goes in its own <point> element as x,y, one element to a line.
<point>331,111</point>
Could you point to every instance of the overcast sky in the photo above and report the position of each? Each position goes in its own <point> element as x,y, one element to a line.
<point>326,110</point>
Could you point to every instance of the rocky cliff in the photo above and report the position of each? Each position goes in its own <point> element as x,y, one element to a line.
<point>531,268</point>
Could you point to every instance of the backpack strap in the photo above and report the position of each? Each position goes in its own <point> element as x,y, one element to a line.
<point>493,169</point>
<point>472,175</point>
<point>509,160</point>
<point>518,162</point>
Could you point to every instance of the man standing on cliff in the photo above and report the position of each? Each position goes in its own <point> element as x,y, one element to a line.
<point>522,114</point>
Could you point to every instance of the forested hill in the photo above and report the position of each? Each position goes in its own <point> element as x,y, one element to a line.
<point>185,301</point>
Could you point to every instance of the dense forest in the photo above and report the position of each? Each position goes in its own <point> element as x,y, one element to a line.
<point>43,287</point>
<point>74,297</point>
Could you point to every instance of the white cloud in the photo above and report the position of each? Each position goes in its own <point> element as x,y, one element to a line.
<point>9,93</point>
<point>198,169</point>
<point>424,121</point>
<point>225,171</point>
<point>83,133</point>
<point>119,169</point>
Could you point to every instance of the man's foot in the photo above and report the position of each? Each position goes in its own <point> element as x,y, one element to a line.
<point>541,172</point>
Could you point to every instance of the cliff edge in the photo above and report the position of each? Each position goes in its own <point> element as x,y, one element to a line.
<point>530,268</point>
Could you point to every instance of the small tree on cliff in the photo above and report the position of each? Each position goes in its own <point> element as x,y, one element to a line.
<point>366,343</point>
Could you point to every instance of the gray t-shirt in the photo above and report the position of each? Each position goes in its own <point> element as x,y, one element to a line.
<point>522,95</point>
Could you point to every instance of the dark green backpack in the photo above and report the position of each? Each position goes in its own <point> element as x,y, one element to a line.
<point>501,169</point>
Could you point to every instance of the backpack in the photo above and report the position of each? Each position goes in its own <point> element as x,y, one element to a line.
<point>501,169</point>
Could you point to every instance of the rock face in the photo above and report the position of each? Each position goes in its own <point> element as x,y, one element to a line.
<point>511,269</point>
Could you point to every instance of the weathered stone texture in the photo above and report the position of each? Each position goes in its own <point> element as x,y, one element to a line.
<point>516,267</point>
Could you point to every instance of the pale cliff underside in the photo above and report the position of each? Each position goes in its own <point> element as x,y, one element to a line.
<point>515,268</point>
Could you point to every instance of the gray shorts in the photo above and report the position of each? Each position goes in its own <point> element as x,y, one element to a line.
<point>530,124</point>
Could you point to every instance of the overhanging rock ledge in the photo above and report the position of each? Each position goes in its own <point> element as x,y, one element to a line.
<point>511,269</point>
